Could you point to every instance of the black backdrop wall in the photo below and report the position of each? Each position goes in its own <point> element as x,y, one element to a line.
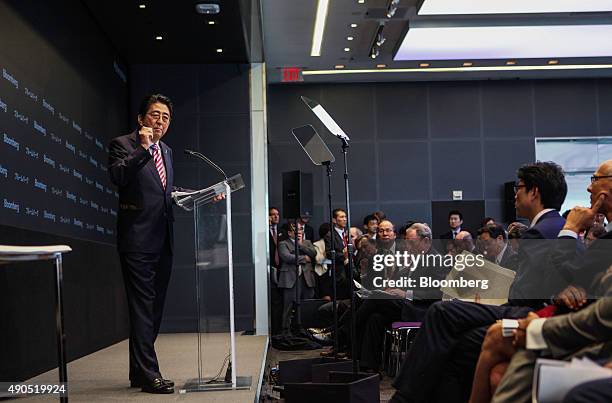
<point>212,115</point>
<point>78,76</point>
<point>413,143</point>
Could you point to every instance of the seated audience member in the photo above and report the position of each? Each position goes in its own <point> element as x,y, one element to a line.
<point>455,221</point>
<point>440,363</point>
<point>600,219</point>
<point>355,233</point>
<point>463,242</point>
<point>515,233</point>
<point>487,221</point>
<point>593,233</point>
<point>288,278</point>
<point>590,272</point>
<point>367,250</point>
<point>375,315</point>
<point>370,225</point>
<point>493,243</point>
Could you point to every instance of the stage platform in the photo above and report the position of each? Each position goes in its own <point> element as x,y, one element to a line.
<point>103,375</point>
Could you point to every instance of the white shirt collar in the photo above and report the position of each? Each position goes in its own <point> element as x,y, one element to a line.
<point>151,147</point>
<point>340,231</point>
<point>498,258</point>
<point>609,227</point>
<point>539,215</point>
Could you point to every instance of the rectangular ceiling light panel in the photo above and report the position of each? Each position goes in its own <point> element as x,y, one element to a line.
<point>455,7</point>
<point>507,42</point>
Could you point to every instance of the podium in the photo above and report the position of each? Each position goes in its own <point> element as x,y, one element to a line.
<point>213,264</point>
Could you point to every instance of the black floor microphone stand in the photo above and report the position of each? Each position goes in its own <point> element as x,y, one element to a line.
<point>332,252</point>
<point>345,146</point>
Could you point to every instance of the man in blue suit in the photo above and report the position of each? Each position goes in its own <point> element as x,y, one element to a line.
<point>441,362</point>
<point>140,165</point>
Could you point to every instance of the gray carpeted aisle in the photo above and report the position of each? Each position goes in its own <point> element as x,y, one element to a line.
<point>103,375</point>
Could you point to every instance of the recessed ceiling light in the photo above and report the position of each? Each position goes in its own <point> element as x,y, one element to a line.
<point>142,6</point>
<point>347,49</point>
<point>468,64</point>
<point>519,42</point>
<point>511,62</point>
<point>423,64</point>
<point>381,66</point>
<point>553,62</point>
<point>211,22</point>
<point>353,25</point>
<point>339,66</point>
<point>219,50</point>
<point>159,37</point>
<point>360,1</point>
<point>319,27</point>
<point>454,7</point>
<point>462,70</point>
<point>349,38</point>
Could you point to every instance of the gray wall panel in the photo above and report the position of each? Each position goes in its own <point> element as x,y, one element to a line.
<point>401,111</point>
<point>605,107</point>
<point>507,109</point>
<point>404,169</point>
<point>566,108</point>
<point>454,109</point>
<point>456,165</point>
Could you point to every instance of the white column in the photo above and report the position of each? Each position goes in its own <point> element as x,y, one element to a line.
<point>259,194</point>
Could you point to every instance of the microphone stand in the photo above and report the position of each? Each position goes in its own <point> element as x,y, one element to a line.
<point>333,257</point>
<point>345,146</point>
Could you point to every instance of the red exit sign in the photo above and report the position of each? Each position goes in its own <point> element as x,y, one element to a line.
<point>291,74</point>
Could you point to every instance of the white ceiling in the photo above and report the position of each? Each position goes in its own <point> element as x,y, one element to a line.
<point>288,28</point>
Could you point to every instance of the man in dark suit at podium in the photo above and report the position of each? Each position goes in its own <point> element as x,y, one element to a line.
<point>140,165</point>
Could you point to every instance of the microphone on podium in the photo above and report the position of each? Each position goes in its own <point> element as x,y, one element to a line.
<point>207,160</point>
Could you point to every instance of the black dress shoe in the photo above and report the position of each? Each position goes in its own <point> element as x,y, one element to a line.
<point>140,383</point>
<point>157,386</point>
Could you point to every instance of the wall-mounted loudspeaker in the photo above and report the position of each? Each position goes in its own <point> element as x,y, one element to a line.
<point>509,209</point>
<point>297,194</point>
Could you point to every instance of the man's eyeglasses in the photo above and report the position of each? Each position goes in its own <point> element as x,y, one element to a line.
<point>517,187</point>
<point>595,178</point>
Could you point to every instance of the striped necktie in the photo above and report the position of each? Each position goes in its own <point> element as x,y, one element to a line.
<point>159,164</point>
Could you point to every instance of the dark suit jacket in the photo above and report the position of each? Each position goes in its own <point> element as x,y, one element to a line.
<point>338,246</point>
<point>309,233</point>
<point>531,286</point>
<point>286,276</point>
<point>509,259</point>
<point>342,284</point>
<point>583,268</point>
<point>448,235</point>
<point>145,215</point>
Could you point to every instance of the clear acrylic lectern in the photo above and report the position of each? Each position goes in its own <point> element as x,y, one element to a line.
<point>215,303</point>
